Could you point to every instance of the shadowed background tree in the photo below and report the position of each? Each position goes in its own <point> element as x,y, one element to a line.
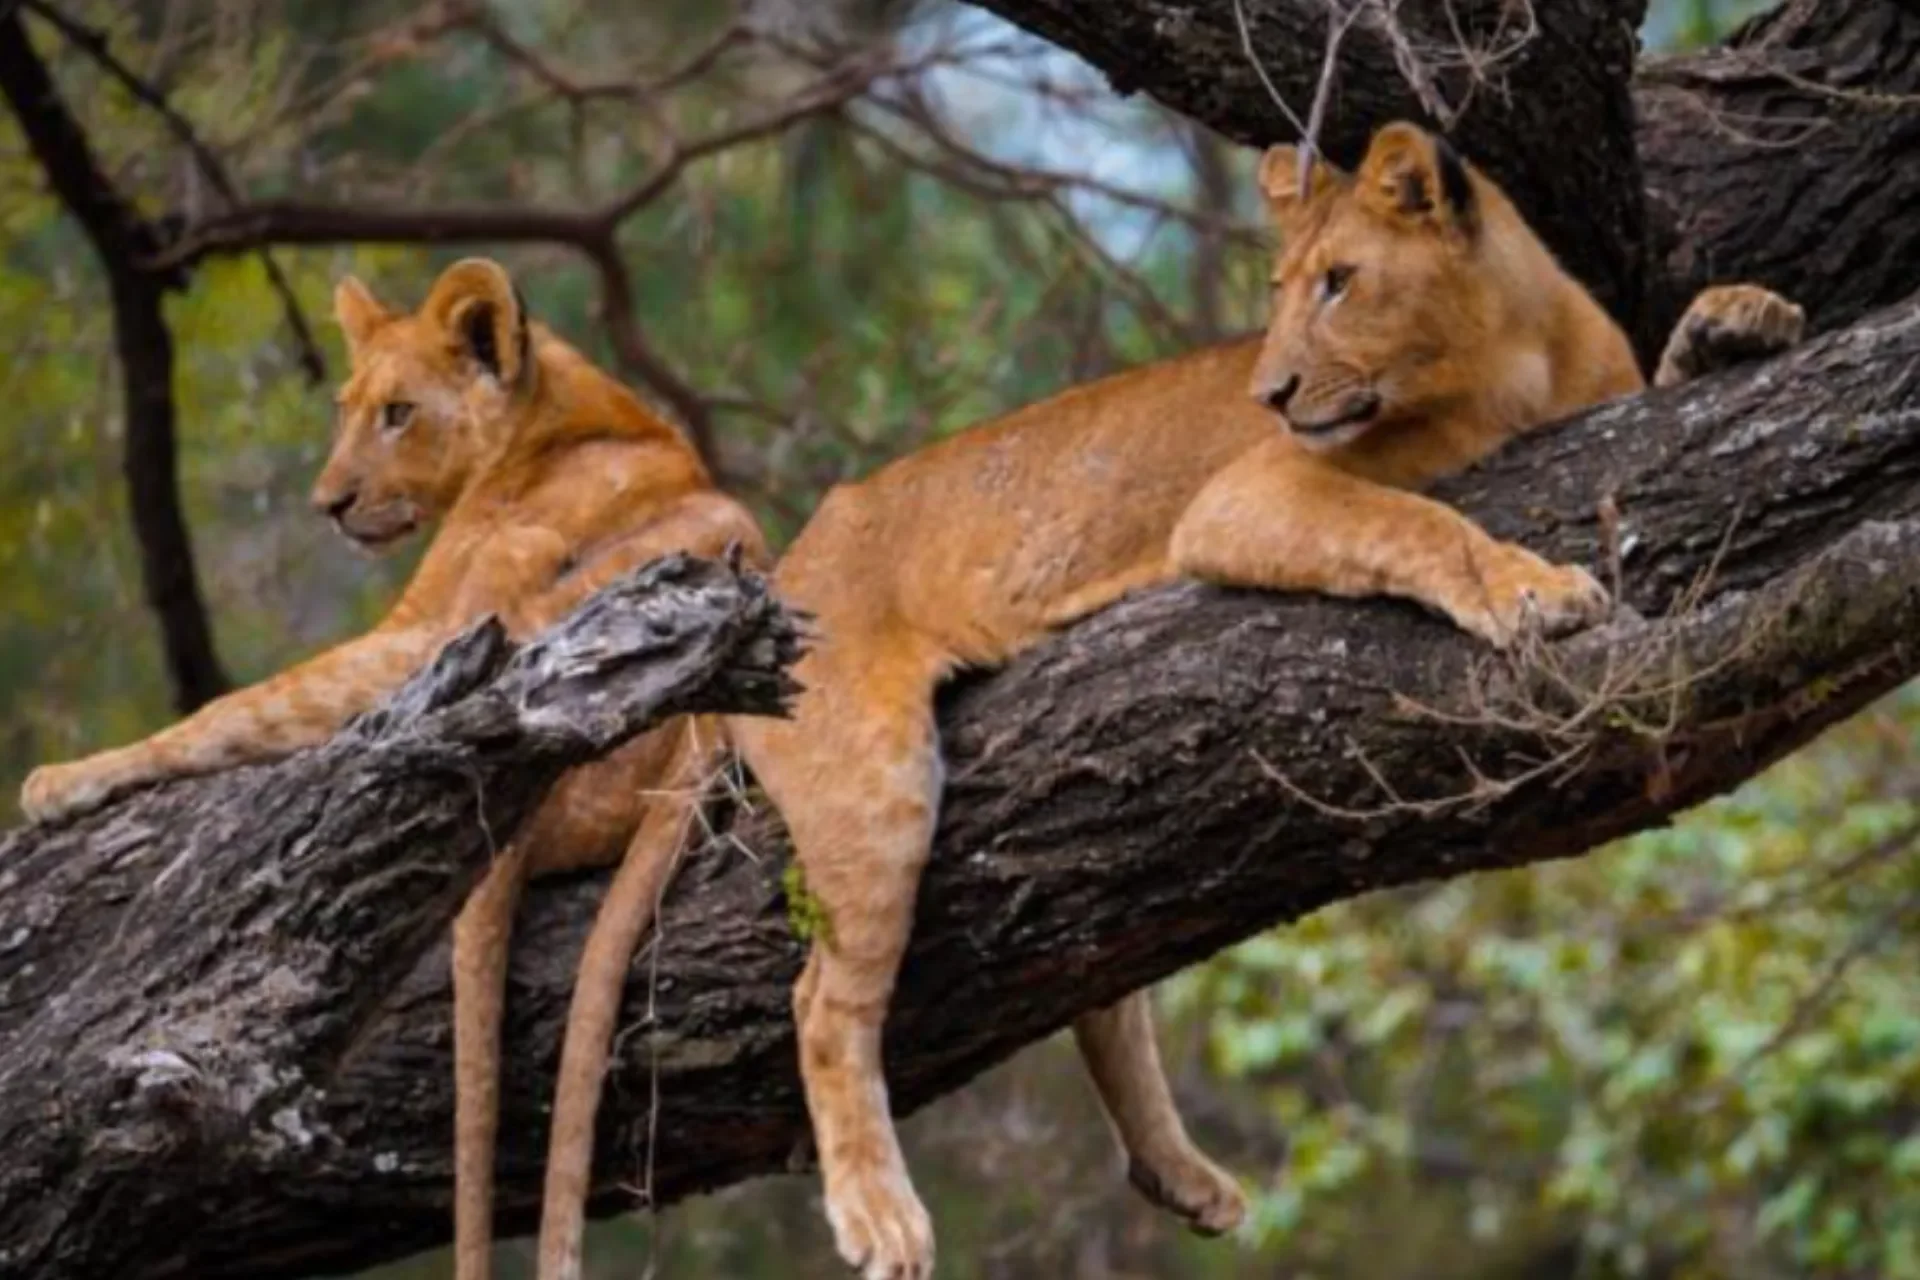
<point>819,235</point>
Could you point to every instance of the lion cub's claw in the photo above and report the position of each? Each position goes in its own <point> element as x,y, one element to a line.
<point>1198,1191</point>
<point>1577,601</point>
<point>1726,326</point>
<point>1531,597</point>
<point>880,1227</point>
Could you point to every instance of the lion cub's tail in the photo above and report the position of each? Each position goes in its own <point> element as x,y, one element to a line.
<point>625,913</point>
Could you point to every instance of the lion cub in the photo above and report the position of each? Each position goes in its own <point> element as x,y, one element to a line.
<point>549,480</point>
<point>1417,325</point>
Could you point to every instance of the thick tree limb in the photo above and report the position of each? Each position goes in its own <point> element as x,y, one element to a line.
<point>215,951</point>
<point>1787,157</point>
<point>1783,156</point>
<point>1569,80</point>
<point>1152,785</point>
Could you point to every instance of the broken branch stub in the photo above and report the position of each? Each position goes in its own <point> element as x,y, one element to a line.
<point>182,973</point>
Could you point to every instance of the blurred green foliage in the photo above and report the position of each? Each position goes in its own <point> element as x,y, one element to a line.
<point>1697,1050</point>
<point>1694,1054</point>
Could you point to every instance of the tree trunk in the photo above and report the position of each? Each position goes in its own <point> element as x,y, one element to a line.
<point>211,1072</point>
<point>125,242</point>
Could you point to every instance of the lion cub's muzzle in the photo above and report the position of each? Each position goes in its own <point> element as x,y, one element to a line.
<point>1320,419</point>
<point>371,525</point>
<point>1321,413</point>
<point>1355,411</point>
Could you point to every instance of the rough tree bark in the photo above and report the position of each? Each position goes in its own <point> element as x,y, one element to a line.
<point>216,952</point>
<point>1123,801</point>
<point>1146,788</point>
<point>1787,157</point>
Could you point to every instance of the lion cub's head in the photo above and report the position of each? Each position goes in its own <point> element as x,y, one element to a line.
<point>1387,285</point>
<point>430,396</point>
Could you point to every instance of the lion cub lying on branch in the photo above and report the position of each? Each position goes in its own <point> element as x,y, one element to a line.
<point>552,481</point>
<point>1417,325</point>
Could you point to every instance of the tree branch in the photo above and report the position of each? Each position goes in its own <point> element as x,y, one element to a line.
<point>1162,779</point>
<point>274,908</point>
<point>126,245</point>
<point>93,42</point>
<point>1782,157</point>
<point>1569,79</point>
<point>1786,157</point>
<point>593,234</point>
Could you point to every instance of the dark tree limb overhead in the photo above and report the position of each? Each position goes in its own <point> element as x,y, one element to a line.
<point>1569,80</point>
<point>1787,157</point>
<point>1123,801</point>
<point>1784,156</point>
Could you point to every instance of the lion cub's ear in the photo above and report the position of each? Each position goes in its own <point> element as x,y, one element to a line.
<point>475,304</point>
<point>1280,182</point>
<point>358,311</point>
<point>1412,175</point>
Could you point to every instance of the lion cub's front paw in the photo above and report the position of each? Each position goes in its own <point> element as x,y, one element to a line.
<point>1729,325</point>
<point>56,791</point>
<point>879,1225</point>
<point>1192,1187</point>
<point>1520,594</point>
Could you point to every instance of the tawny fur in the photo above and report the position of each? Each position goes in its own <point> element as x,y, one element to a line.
<point>548,480</point>
<point>1417,325</point>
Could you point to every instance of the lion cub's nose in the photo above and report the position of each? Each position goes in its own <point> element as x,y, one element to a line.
<point>334,505</point>
<point>1275,396</point>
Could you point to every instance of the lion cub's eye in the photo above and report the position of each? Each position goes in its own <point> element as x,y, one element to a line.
<point>395,414</point>
<point>1335,282</point>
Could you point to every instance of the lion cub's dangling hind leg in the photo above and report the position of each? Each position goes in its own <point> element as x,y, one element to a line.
<point>1117,1044</point>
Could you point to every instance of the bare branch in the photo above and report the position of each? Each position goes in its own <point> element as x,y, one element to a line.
<point>476,19</point>
<point>93,42</point>
<point>246,227</point>
<point>1259,68</point>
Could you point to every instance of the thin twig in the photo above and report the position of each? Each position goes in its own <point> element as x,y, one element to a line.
<point>1259,69</point>
<point>1323,92</point>
<point>578,91</point>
